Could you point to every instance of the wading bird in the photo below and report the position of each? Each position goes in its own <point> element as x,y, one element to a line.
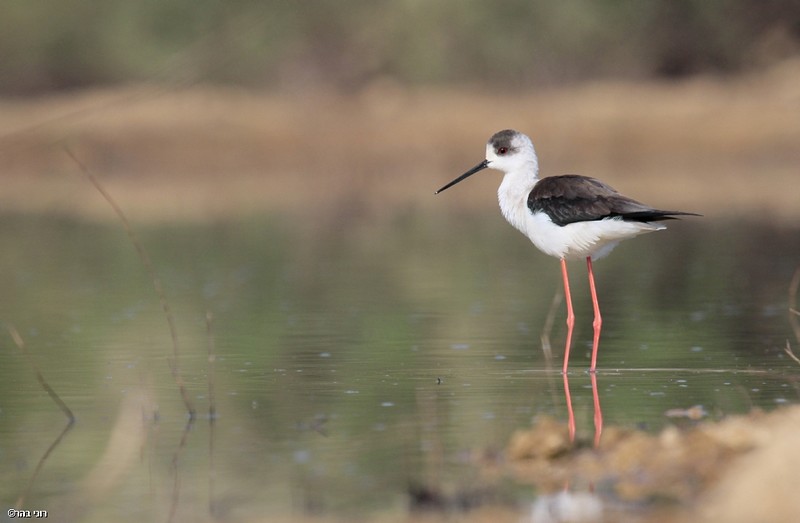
<point>568,216</point>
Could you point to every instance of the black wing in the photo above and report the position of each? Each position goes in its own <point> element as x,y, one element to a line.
<point>571,198</point>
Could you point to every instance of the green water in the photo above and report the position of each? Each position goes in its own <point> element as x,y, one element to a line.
<point>356,357</point>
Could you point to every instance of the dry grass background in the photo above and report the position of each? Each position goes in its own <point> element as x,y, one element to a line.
<point>712,145</point>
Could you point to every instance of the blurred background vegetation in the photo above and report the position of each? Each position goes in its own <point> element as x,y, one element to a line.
<point>68,44</point>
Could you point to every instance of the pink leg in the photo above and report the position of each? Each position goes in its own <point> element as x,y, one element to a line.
<point>570,315</point>
<point>598,320</point>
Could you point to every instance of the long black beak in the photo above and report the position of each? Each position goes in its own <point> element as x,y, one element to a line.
<point>481,166</point>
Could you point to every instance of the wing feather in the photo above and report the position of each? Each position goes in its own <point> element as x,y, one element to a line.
<point>572,198</point>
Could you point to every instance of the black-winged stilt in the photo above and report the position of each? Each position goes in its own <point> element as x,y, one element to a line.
<point>566,216</point>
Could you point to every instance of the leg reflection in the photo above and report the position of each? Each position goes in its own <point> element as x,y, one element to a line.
<point>570,413</point>
<point>598,412</point>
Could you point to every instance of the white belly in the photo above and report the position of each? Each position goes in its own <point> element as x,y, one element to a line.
<point>581,239</point>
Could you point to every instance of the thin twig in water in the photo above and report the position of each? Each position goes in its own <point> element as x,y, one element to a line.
<point>174,363</point>
<point>788,350</point>
<point>212,413</point>
<point>212,358</point>
<point>176,486</point>
<point>547,329</point>
<point>20,343</point>
<point>793,313</point>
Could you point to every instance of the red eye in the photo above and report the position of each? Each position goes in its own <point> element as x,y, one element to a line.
<point>502,150</point>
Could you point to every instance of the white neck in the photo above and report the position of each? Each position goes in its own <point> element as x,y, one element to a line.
<point>513,193</point>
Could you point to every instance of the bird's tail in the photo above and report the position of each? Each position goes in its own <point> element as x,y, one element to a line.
<point>655,215</point>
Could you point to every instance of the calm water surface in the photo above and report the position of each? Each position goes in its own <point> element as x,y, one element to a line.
<point>354,359</point>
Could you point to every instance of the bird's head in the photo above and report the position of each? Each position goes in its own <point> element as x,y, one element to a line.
<point>507,151</point>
